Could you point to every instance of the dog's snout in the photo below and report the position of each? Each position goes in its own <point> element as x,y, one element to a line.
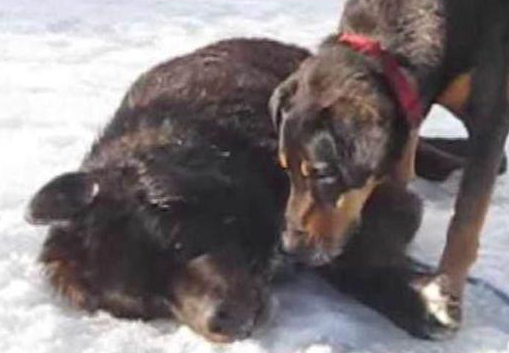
<point>295,232</point>
<point>230,322</point>
<point>292,241</point>
<point>220,321</point>
<point>291,256</point>
<point>295,246</point>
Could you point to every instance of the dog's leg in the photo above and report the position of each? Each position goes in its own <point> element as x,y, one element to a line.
<point>404,171</point>
<point>374,268</point>
<point>434,163</point>
<point>437,158</point>
<point>458,147</point>
<point>390,218</point>
<point>393,292</point>
<point>487,120</point>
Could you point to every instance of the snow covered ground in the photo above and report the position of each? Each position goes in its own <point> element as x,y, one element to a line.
<point>64,65</point>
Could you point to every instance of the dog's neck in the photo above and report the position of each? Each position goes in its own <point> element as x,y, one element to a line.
<point>414,36</point>
<point>406,92</point>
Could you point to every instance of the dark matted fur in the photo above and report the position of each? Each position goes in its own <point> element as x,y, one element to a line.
<point>176,208</point>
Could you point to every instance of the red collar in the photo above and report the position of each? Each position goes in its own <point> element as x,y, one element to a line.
<point>406,93</point>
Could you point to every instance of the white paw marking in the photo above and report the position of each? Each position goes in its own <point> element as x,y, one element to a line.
<point>436,303</point>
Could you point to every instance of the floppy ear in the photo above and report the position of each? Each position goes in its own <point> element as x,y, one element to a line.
<point>279,101</point>
<point>62,198</point>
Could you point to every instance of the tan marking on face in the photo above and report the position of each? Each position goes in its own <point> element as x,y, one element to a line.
<point>331,225</point>
<point>404,170</point>
<point>283,161</point>
<point>340,202</point>
<point>455,96</point>
<point>305,169</point>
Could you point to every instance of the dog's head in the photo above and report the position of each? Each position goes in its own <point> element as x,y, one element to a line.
<point>168,227</point>
<point>339,131</point>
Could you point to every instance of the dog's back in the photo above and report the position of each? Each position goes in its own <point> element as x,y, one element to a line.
<point>225,85</point>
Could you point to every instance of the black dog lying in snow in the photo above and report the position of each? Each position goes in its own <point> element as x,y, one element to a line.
<point>177,207</point>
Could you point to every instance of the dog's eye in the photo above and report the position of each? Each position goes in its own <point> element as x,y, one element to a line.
<point>325,184</point>
<point>323,172</point>
<point>327,181</point>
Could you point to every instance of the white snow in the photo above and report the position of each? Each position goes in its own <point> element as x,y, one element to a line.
<point>64,65</point>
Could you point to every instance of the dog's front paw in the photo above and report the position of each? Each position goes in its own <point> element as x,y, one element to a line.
<point>438,311</point>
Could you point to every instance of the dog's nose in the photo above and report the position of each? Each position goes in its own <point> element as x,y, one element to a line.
<point>230,322</point>
<point>281,250</point>
<point>296,248</point>
<point>292,242</point>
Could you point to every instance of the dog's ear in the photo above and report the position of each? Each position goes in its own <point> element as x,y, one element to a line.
<point>62,198</point>
<point>279,101</point>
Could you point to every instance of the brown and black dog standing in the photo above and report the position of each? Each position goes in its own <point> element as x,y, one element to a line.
<point>349,119</point>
